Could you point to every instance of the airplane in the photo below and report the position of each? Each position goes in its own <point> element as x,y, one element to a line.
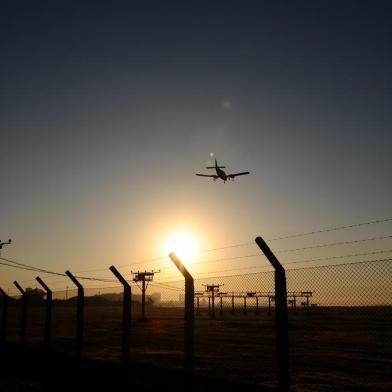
<point>221,174</point>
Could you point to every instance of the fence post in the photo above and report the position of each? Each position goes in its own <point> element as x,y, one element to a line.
<point>79,314</point>
<point>48,314</point>
<point>189,316</point>
<point>281,317</point>
<point>213,303</point>
<point>3,332</point>
<point>126,317</point>
<point>24,314</point>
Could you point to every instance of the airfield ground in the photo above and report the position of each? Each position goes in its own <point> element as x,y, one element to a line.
<point>339,349</point>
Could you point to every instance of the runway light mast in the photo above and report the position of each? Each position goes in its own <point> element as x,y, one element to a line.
<point>145,277</point>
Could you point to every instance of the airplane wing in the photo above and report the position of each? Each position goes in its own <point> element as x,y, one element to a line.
<point>207,175</point>
<point>237,174</point>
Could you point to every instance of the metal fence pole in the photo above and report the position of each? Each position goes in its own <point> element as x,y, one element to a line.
<point>48,313</point>
<point>281,317</point>
<point>126,317</point>
<point>213,303</point>
<point>24,314</point>
<point>79,315</point>
<point>189,316</point>
<point>3,333</point>
<point>269,305</point>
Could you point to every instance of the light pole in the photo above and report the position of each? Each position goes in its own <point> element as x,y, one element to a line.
<point>5,243</point>
<point>2,243</point>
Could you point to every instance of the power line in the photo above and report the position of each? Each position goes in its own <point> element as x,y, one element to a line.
<point>294,269</point>
<point>289,250</point>
<point>166,286</point>
<point>373,222</point>
<point>297,262</point>
<point>334,244</point>
<point>338,257</point>
<point>17,266</point>
<point>341,264</point>
<point>30,268</point>
<point>245,244</point>
<point>35,269</point>
<point>128,265</point>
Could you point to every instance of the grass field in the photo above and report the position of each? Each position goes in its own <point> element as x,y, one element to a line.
<point>331,349</point>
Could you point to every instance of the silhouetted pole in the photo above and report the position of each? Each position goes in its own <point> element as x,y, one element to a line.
<point>143,299</point>
<point>3,332</point>
<point>232,305</point>
<point>245,311</point>
<point>2,243</point>
<point>269,306</point>
<point>221,306</point>
<point>48,314</point>
<point>213,303</point>
<point>5,303</point>
<point>79,314</point>
<point>281,317</point>
<point>126,317</point>
<point>146,276</point>
<point>295,304</point>
<point>24,314</point>
<point>189,315</point>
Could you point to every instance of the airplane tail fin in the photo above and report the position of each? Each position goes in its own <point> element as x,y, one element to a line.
<point>216,166</point>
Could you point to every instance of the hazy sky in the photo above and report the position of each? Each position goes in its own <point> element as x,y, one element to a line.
<point>108,109</point>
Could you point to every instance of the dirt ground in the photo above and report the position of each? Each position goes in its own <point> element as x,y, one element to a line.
<point>331,349</point>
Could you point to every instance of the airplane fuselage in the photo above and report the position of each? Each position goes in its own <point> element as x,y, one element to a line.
<point>221,174</point>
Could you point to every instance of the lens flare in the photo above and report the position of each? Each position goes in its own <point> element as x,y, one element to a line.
<point>183,244</point>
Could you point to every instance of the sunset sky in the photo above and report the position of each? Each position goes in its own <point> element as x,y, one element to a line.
<point>108,109</point>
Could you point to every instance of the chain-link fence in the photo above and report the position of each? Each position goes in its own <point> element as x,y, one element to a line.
<point>340,323</point>
<point>345,343</point>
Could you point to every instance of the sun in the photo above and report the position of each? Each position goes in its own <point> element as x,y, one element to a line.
<point>184,244</point>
